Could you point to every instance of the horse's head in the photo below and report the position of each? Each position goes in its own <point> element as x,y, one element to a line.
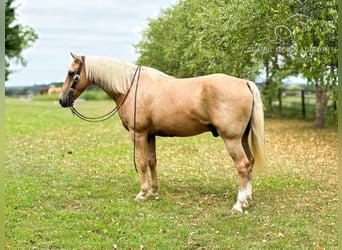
<point>75,82</point>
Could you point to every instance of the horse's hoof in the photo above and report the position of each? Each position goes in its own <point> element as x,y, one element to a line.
<point>140,198</point>
<point>237,208</point>
<point>245,204</point>
<point>154,194</point>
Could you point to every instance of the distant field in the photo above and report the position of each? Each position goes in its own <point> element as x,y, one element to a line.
<point>71,185</point>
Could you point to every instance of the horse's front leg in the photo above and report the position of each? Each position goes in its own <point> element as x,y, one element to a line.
<point>153,165</point>
<point>141,145</point>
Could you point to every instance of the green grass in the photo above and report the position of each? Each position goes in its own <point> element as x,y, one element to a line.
<point>71,185</point>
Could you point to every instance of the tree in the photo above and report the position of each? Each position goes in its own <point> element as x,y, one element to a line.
<point>198,37</point>
<point>271,46</point>
<point>304,41</point>
<point>316,49</point>
<point>17,37</point>
<point>245,38</point>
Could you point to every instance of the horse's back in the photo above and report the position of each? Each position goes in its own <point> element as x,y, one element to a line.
<point>214,90</point>
<point>214,82</point>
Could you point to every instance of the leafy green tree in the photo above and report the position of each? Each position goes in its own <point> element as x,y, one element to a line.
<point>245,38</point>
<point>199,37</point>
<point>17,37</point>
<point>316,49</point>
<point>270,46</point>
<point>304,40</point>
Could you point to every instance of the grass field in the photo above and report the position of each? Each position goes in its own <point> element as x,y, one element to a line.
<point>71,185</point>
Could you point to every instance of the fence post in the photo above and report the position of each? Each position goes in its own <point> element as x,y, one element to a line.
<point>303,103</point>
<point>280,108</point>
<point>334,107</point>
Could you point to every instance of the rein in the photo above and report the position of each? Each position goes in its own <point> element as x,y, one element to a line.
<point>94,119</point>
<point>135,118</point>
<point>114,110</point>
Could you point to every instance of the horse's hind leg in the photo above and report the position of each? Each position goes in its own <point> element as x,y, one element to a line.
<point>242,164</point>
<point>247,150</point>
<point>152,162</point>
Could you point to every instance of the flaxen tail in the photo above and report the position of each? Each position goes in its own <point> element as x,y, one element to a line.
<point>257,127</point>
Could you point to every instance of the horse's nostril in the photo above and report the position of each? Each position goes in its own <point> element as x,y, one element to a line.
<point>63,103</point>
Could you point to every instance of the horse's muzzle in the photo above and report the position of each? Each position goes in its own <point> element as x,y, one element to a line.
<point>66,100</point>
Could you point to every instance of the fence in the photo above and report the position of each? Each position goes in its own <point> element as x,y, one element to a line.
<point>299,104</point>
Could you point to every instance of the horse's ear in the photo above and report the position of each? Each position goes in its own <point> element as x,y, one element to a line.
<point>76,57</point>
<point>73,55</point>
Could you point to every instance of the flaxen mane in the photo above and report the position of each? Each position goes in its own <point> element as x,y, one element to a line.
<point>114,75</point>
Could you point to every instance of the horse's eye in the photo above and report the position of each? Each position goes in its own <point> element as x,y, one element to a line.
<point>71,73</point>
<point>77,78</point>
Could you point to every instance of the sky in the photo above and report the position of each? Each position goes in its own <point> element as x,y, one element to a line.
<point>87,27</point>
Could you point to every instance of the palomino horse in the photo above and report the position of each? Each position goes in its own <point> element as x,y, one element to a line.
<point>151,103</point>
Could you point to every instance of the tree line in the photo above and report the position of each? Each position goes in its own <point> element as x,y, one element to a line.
<point>248,38</point>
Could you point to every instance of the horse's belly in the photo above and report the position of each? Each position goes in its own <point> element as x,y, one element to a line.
<point>181,129</point>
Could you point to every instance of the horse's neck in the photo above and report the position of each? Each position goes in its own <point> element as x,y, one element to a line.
<point>113,76</point>
<point>116,96</point>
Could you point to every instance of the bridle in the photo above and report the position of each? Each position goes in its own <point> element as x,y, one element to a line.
<point>77,77</point>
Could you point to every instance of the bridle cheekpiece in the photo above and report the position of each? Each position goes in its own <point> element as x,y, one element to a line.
<point>77,75</point>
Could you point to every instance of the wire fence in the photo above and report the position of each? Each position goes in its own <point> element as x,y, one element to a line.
<point>300,104</point>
